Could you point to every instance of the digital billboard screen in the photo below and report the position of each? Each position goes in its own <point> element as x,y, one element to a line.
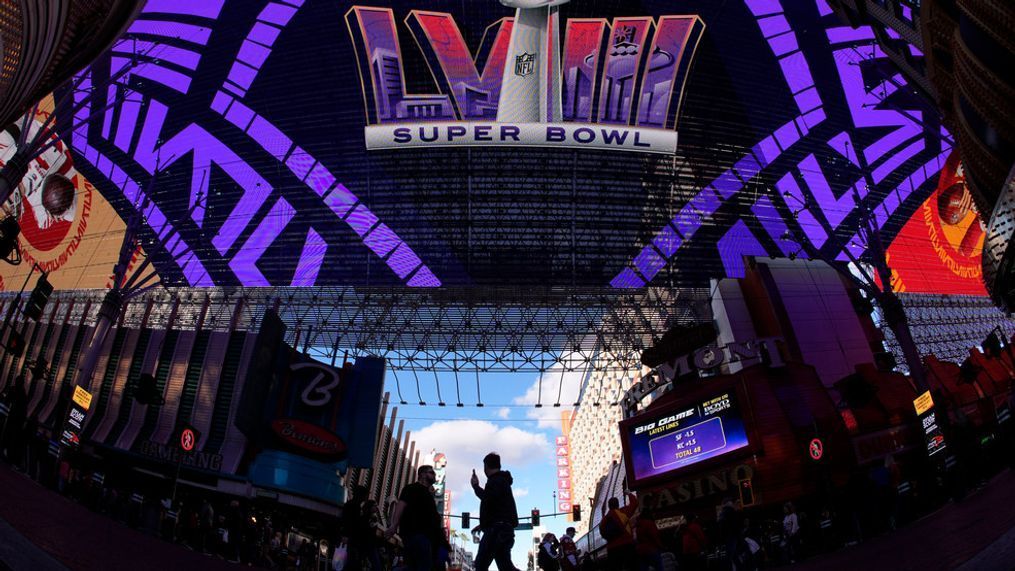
<point>675,137</point>
<point>658,443</point>
<point>68,229</point>
<point>940,249</point>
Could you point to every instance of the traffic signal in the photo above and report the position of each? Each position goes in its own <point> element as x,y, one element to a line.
<point>40,296</point>
<point>576,512</point>
<point>147,392</point>
<point>15,343</point>
<point>535,518</point>
<point>466,520</point>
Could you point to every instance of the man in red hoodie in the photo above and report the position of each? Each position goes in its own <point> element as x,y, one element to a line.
<point>616,528</point>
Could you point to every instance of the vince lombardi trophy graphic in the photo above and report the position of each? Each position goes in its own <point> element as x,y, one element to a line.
<point>530,91</point>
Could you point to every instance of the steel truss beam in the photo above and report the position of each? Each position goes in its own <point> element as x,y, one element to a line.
<point>446,329</point>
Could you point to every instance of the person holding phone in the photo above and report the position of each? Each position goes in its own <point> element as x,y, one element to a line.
<point>498,515</point>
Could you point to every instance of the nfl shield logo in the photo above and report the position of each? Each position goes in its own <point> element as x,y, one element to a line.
<point>525,64</point>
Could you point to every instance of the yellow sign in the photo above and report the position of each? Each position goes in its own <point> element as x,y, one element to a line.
<point>82,397</point>
<point>923,403</point>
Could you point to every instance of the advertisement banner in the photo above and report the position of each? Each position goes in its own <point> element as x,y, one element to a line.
<point>940,248</point>
<point>473,144</point>
<point>308,421</point>
<point>67,227</point>
<point>76,413</point>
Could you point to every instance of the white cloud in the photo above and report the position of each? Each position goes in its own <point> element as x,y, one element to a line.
<point>521,492</point>
<point>504,412</point>
<point>466,442</point>
<point>554,386</point>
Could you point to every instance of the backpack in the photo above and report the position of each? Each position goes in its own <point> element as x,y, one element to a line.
<point>545,561</point>
<point>610,528</point>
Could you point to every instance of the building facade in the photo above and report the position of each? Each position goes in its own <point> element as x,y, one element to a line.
<point>593,435</point>
<point>75,33</point>
<point>201,366</point>
<point>395,460</point>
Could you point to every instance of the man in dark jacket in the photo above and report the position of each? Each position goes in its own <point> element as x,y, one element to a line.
<point>498,516</point>
<point>416,519</point>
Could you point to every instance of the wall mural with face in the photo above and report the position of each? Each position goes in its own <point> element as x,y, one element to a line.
<point>67,227</point>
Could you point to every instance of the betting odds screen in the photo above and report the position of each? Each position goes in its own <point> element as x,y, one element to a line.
<point>678,436</point>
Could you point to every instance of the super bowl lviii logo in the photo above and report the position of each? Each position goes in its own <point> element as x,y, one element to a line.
<point>607,85</point>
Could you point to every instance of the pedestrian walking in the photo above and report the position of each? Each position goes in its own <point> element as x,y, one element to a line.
<point>569,550</point>
<point>498,515</point>
<point>352,528</point>
<point>692,544</point>
<point>791,532</point>
<point>648,543</point>
<point>731,529</point>
<point>549,553</point>
<point>417,522</point>
<point>616,528</point>
<point>206,519</point>
<point>13,434</point>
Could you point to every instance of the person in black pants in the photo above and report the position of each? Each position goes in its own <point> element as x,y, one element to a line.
<point>498,515</point>
<point>417,521</point>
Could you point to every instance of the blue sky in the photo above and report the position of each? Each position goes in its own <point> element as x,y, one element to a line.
<point>508,424</point>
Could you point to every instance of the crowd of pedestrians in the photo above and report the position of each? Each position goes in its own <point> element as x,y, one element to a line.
<point>414,538</point>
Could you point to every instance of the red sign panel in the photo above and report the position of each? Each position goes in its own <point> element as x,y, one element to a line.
<point>188,439</point>
<point>816,449</point>
<point>309,437</point>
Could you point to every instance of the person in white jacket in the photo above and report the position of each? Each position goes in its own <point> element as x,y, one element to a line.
<point>791,531</point>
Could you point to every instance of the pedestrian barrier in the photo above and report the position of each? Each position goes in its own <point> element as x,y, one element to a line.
<point>904,488</point>
<point>4,409</point>
<point>171,515</point>
<point>1003,415</point>
<point>137,498</point>
<point>98,478</point>
<point>54,448</point>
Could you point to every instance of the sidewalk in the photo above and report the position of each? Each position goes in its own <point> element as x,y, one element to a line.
<point>16,553</point>
<point>976,530</point>
<point>54,533</point>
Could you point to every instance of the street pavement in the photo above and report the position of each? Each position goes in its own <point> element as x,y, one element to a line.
<point>41,530</point>
<point>975,534</point>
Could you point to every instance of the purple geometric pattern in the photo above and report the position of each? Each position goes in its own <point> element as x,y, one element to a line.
<point>192,268</point>
<point>251,218</point>
<point>738,242</point>
<point>157,40</point>
<point>903,140</point>
<point>254,52</point>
